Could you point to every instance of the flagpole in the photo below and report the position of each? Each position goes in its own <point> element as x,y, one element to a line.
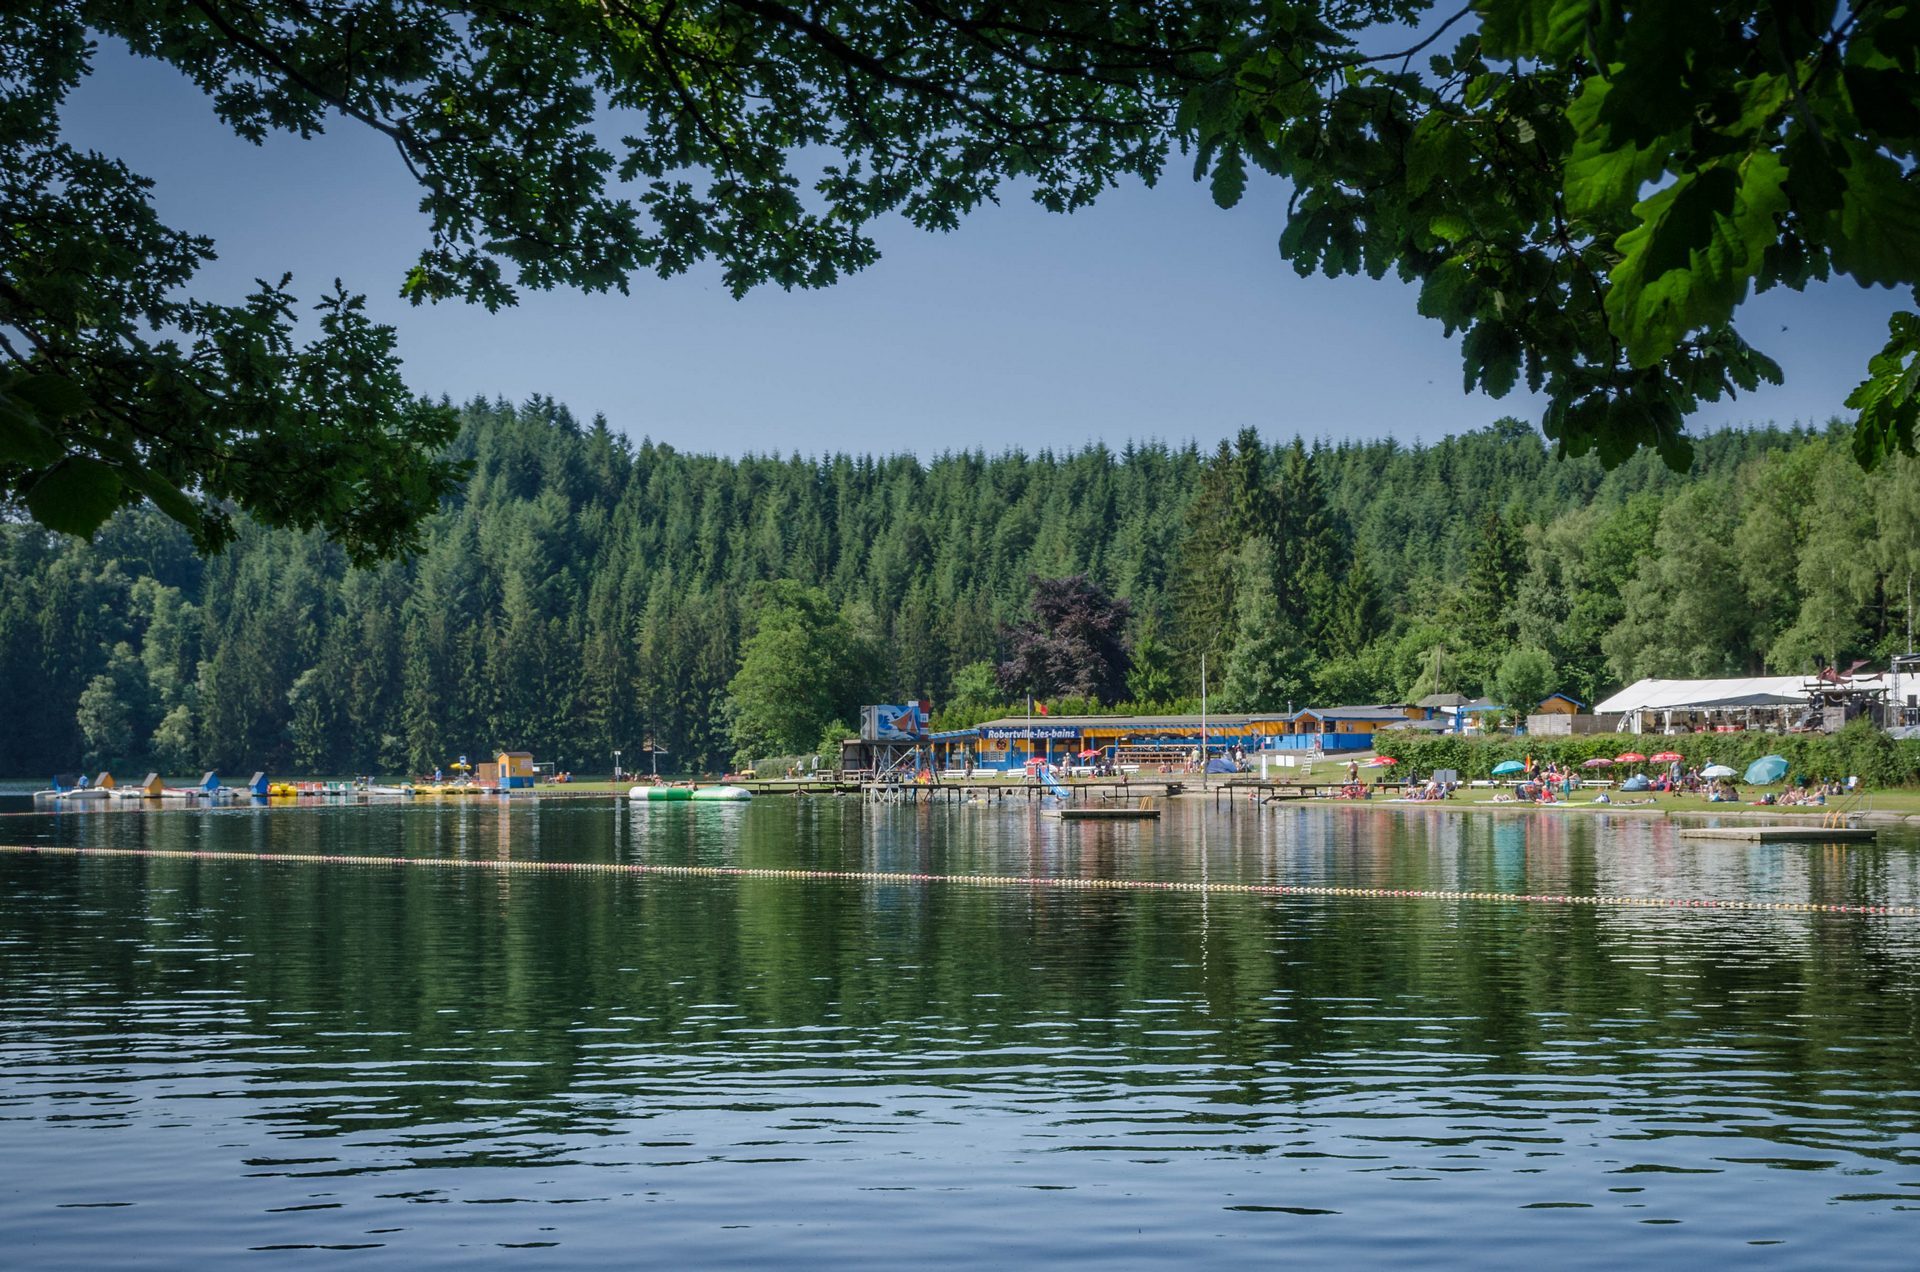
<point>1203,721</point>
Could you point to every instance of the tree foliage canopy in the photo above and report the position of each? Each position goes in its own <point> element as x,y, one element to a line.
<point>802,671</point>
<point>1074,641</point>
<point>1585,192</point>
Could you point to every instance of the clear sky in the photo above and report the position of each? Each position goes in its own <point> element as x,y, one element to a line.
<point>1152,315</point>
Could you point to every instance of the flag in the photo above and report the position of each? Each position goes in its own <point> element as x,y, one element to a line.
<point>1041,707</point>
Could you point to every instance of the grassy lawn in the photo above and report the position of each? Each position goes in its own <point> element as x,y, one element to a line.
<point>1904,801</point>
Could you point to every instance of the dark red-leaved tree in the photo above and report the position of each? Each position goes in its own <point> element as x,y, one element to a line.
<point>1075,642</point>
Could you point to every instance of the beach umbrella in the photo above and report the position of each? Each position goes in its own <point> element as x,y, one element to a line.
<point>1088,754</point>
<point>1508,766</point>
<point>1381,761</point>
<point>1598,761</point>
<point>1716,770</point>
<point>1629,757</point>
<point>1768,768</point>
<point>1669,757</point>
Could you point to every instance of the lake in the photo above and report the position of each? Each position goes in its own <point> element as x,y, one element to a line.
<point>254,1064</point>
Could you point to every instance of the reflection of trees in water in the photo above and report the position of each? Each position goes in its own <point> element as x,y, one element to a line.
<point>434,1002</point>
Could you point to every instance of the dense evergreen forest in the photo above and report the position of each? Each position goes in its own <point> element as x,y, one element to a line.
<point>581,593</point>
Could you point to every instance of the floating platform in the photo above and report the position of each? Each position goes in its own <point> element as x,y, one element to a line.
<point>1778,834</point>
<point>681,794</point>
<point>1109,814</point>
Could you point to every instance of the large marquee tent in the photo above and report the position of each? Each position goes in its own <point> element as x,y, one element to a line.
<point>1737,702</point>
<point>1708,695</point>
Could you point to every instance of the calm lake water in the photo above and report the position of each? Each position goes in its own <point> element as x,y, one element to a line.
<point>210,1063</point>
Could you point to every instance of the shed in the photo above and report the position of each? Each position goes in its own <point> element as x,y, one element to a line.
<point>515,769</point>
<point>1559,704</point>
<point>1348,728</point>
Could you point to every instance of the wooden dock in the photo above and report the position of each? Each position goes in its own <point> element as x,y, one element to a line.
<point>1118,791</point>
<point>1778,833</point>
<point>1110,814</point>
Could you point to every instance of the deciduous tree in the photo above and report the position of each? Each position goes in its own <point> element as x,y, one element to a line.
<point>1074,641</point>
<point>799,672</point>
<point>1586,193</point>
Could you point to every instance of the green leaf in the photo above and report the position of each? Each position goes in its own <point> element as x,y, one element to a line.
<point>1876,235</point>
<point>1535,28</point>
<point>166,496</point>
<point>23,438</point>
<point>1689,261</point>
<point>76,495</point>
<point>1230,177</point>
<point>53,396</point>
<point>1604,176</point>
<point>1491,353</point>
<point>1889,398</point>
<point>1436,154</point>
<point>1884,100</point>
<point>1451,294</point>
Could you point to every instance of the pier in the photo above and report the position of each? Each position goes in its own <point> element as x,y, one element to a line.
<point>969,790</point>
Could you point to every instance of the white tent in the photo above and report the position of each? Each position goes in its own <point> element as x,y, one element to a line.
<point>1705,695</point>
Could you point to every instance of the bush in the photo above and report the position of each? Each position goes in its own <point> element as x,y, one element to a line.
<point>1857,750</point>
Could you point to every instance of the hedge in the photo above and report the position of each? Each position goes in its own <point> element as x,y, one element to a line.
<point>1857,750</point>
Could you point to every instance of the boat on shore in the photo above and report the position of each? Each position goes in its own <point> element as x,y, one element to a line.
<point>209,789</point>
<point>150,788</point>
<point>453,789</point>
<point>75,787</point>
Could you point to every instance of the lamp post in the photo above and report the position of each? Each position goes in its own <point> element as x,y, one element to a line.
<point>616,765</point>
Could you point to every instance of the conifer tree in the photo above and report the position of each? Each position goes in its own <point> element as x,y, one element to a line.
<point>1269,667</point>
<point>1204,577</point>
<point>1492,583</point>
<point>1310,552</point>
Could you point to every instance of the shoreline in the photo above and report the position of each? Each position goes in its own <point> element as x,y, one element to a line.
<point>1741,811</point>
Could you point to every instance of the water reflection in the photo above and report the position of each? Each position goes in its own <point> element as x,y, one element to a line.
<point>212,1057</point>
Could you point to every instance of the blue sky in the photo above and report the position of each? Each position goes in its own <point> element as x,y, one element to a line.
<point>1152,315</point>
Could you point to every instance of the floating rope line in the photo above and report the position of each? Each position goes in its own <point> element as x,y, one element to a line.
<point>1067,884</point>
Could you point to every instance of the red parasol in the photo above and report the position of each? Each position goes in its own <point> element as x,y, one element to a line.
<point>1669,757</point>
<point>1629,757</point>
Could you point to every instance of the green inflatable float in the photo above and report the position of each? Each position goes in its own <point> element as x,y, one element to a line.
<point>679,794</point>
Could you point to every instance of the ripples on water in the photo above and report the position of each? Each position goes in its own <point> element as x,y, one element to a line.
<point>215,1062</point>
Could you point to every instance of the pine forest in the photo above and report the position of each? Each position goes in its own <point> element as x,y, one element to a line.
<point>582,593</point>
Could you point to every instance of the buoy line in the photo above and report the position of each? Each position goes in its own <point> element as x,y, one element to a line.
<point>1067,884</point>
